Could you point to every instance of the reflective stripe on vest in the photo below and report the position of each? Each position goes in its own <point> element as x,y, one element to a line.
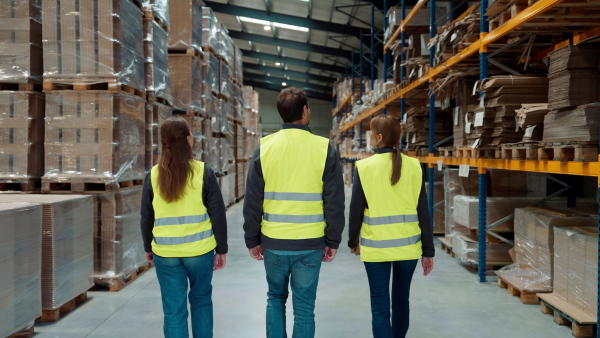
<point>293,163</point>
<point>182,228</point>
<point>390,230</point>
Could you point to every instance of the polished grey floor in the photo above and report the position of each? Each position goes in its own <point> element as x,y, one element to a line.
<point>448,303</point>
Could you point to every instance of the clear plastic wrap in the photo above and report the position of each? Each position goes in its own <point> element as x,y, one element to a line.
<point>211,75</point>
<point>156,60</point>
<point>94,42</point>
<point>160,11</point>
<point>467,250</point>
<point>67,245</point>
<point>213,109</point>
<point>227,156</point>
<point>21,266</point>
<point>239,142</point>
<point>252,141</point>
<point>212,156</point>
<point>20,41</point>
<point>438,213</point>
<point>225,83</point>
<point>156,114</point>
<point>534,246</point>
<point>118,241</point>
<point>228,188</point>
<point>95,136</point>
<point>225,47</point>
<point>210,38</point>
<point>186,25</point>
<point>21,135</point>
<point>240,180</point>
<point>186,82</point>
<point>576,267</point>
<point>238,65</point>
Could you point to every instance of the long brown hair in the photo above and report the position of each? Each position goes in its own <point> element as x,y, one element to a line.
<point>175,163</point>
<point>389,128</point>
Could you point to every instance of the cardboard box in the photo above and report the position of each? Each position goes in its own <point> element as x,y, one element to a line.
<point>186,82</point>
<point>186,25</point>
<point>210,39</point>
<point>156,61</point>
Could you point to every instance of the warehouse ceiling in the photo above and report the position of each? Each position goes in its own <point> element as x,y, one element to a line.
<point>302,43</point>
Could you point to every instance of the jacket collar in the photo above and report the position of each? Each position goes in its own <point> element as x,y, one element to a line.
<point>296,126</point>
<point>384,150</point>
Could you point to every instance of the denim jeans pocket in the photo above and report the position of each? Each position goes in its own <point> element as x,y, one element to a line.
<point>272,259</point>
<point>312,259</point>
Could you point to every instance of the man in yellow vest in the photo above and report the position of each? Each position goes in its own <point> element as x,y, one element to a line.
<point>294,213</point>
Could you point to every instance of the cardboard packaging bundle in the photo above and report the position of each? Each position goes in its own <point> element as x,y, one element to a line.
<point>94,136</point>
<point>576,267</point>
<point>156,114</point>
<point>578,124</point>
<point>67,245</point>
<point>20,41</point>
<point>225,45</point>
<point>21,266</point>
<point>156,61</point>
<point>453,37</point>
<point>211,75</point>
<point>420,20</point>
<point>225,83</point>
<point>227,184</point>
<point>160,10</point>
<point>210,38</point>
<point>534,246</point>
<point>573,76</point>
<point>98,42</point>
<point>186,25</point>
<point>530,117</point>
<point>240,181</point>
<point>186,82</point>
<point>463,98</point>
<point>240,142</point>
<point>438,214</point>
<point>238,65</point>
<point>21,135</point>
<point>466,249</point>
<point>417,126</point>
<point>117,243</point>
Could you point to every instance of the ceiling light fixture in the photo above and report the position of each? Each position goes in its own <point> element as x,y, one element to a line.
<point>267,24</point>
<point>295,28</point>
<point>284,84</point>
<point>267,28</point>
<point>277,63</point>
<point>256,21</point>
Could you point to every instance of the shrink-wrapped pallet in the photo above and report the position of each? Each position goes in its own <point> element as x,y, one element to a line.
<point>94,136</point>
<point>467,250</point>
<point>210,32</point>
<point>240,181</point>
<point>20,41</point>
<point>186,81</point>
<point>21,266</point>
<point>156,114</point>
<point>156,61</point>
<point>239,142</point>
<point>186,25</point>
<point>95,41</point>
<point>21,136</point>
<point>225,45</point>
<point>225,84</point>
<point>211,75</point>
<point>67,245</point>
<point>159,10</point>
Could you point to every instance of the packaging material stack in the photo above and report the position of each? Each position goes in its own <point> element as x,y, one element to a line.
<point>438,213</point>
<point>534,246</point>
<point>455,185</point>
<point>417,126</point>
<point>21,108</point>
<point>251,120</point>
<point>95,137</point>
<point>21,264</point>
<point>453,37</point>
<point>530,117</point>
<point>67,247</point>
<point>419,21</point>
<point>464,101</point>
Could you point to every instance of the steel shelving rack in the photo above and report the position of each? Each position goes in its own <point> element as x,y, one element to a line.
<point>486,38</point>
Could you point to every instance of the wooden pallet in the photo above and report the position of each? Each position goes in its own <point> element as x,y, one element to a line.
<point>149,14</point>
<point>475,153</point>
<point>447,152</point>
<point>519,151</point>
<point>582,324</point>
<point>446,246</point>
<point>188,51</point>
<point>19,185</point>
<point>29,86</point>
<point>119,282</point>
<point>55,315</point>
<point>81,185</point>
<point>578,152</point>
<point>27,332</point>
<point>153,98</point>
<point>91,84</point>
<point>526,296</point>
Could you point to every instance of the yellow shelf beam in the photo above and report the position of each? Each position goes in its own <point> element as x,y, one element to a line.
<point>467,12</point>
<point>576,39</point>
<point>403,24</point>
<point>486,39</point>
<point>337,110</point>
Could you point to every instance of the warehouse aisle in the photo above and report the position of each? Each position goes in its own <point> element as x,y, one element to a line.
<point>448,303</point>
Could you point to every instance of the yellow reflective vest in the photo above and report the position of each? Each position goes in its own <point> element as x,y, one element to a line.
<point>293,162</point>
<point>390,230</point>
<point>182,228</point>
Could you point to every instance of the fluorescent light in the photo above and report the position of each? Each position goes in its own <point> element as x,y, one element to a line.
<point>296,28</point>
<point>284,84</point>
<point>277,63</point>
<point>267,28</point>
<point>267,24</point>
<point>256,21</point>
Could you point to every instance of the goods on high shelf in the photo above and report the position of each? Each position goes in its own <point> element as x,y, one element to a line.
<point>417,126</point>
<point>420,20</point>
<point>453,37</point>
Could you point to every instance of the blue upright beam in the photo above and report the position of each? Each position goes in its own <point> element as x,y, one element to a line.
<point>386,56</point>
<point>373,76</point>
<point>360,63</point>
<point>483,73</point>
<point>353,72</point>
<point>403,59</point>
<point>432,34</point>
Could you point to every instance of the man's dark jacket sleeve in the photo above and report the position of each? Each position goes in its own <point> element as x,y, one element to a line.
<point>212,199</point>
<point>253,202</point>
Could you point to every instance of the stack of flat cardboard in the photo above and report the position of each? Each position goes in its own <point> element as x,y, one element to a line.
<point>21,266</point>
<point>454,37</point>
<point>21,135</point>
<point>417,126</point>
<point>20,41</point>
<point>156,61</point>
<point>210,32</point>
<point>480,125</point>
<point>186,25</point>
<point>530,117</point>
<point>156,114</point>
<point>579,124</point>
<point>186,82</point>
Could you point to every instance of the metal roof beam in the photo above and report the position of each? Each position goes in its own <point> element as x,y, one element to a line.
<point>325,26</point>
<point>299,84</point>
<point>291,44</point>
<point>293,61</point>
<point>292,73</point>
<point>277,88</point>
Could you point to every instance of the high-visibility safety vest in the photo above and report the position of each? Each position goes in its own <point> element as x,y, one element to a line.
<point>182,228</point>
<point>293,162</point>
<point>390,230</point>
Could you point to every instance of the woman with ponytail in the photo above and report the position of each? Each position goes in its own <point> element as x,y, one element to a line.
<point>389,226</point>
<point>184,228</point>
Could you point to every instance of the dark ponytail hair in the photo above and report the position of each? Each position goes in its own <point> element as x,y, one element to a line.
<point>389,128</point>
<point>174,165</point>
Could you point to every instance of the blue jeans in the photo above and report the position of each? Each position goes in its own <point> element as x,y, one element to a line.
<point>379,285</point>
<point>173,275</point>
<point>303,272</point>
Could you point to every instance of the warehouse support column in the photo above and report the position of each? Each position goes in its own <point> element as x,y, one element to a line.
<point>386,53</point>
<point>431,173</point>
<point>360,66</point>
<point>403,66</point>
<point>373,76</point>
<point>483,73</point>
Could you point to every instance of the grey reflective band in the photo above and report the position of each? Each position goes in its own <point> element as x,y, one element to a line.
<point>294,196</point>
<point>390,243</point>
<point>185,239</point>
<point>181,220</point>
<point>390,219</point>
<point>294,218</point>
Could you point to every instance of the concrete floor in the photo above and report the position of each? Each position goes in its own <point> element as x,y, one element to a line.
<point>448,303</point>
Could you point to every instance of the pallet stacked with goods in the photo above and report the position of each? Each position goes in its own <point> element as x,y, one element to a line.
<point>519,105</point>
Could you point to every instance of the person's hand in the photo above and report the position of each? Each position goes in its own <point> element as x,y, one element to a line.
<point>329,254</point>
<point>256,253</point>
<point>427,263</point>
<point>220,261</point>
<point>356,250</point>
<point>150,257</point>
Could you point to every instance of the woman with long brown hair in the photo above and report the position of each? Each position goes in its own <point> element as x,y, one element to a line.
<point>390,226</point>
<point>183,225</point>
